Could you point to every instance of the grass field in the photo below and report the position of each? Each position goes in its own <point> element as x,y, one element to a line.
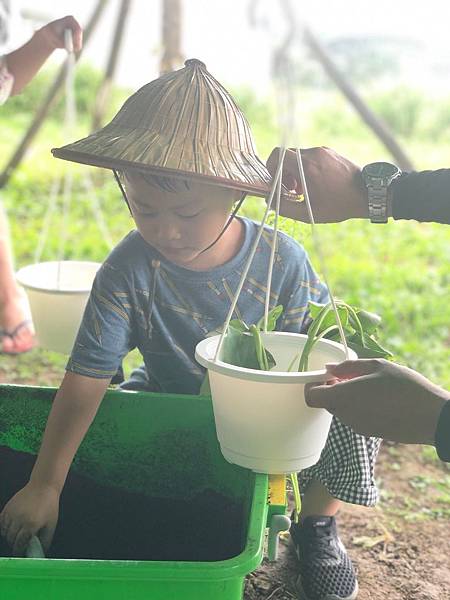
<point>399,270</point>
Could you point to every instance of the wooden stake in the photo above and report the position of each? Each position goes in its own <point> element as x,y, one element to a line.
<point>104,90</point>
<point>171,36</point>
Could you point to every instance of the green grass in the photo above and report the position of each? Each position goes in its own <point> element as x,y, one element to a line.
<point>399,270</point>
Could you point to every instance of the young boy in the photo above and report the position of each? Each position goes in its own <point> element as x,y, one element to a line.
<point>185,155</point>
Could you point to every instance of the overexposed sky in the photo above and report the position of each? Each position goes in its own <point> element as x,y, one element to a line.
<point>218,32</point>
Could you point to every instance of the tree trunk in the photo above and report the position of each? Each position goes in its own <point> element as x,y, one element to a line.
<point>172,57</point>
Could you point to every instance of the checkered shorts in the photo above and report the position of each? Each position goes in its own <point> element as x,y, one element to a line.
<point>346,466</point>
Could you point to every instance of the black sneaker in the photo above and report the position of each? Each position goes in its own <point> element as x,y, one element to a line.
<point>326,571</point>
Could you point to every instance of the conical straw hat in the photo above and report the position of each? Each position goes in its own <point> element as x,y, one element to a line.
<point>183,124</point>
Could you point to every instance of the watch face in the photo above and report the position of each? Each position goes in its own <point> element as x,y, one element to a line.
<point>381,169</point>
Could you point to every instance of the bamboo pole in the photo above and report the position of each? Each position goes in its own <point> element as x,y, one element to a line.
<point>48,101</point>
<point>369,117</point>
<point>172,57</point>
<point>114,53</point>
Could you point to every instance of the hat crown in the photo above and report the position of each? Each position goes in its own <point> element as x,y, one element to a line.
<point>186,108</point>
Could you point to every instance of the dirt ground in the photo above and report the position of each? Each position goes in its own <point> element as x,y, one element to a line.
<point>401,549</point>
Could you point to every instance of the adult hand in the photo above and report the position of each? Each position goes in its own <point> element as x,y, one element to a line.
<point>335,186</point>
<point>32,511</point>
<point>53,33</point>
<point>378,398</point>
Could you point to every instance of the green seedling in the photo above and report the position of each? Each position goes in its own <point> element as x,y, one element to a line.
<point>359,328</point>
<point>243,345</point>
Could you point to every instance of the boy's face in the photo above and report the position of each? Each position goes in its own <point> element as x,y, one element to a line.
<point>181,224</point>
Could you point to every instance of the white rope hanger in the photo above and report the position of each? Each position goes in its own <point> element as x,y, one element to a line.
<point>64,185</point>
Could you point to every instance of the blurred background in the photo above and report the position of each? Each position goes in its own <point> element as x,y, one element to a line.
<point>371,81</point>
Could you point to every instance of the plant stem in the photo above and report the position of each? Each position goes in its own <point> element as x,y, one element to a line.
<point>312,332</point>
<point>297,496</point>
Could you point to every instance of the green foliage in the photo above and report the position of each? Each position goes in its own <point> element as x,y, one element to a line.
<point>359,327</point>
<point>403,110</point>
<point>243,347</point>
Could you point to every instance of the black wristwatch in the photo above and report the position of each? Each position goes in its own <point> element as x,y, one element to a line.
<point>377,177</point>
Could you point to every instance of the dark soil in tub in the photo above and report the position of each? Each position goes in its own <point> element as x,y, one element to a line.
<point>102,522</point>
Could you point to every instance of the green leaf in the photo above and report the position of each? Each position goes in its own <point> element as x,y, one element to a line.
<point>369,321</point>
<point>239,325</point>
<point>272,318</point>
<point>330,318</point>
<point>314,308</point>
<point>367,347</point>
<point>242,350</point>
<point>239,349</point>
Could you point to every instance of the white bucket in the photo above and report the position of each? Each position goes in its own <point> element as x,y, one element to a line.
<point>262,420</point>
<point>57,293</point>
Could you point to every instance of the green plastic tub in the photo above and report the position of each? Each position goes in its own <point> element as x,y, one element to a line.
<point>158,445</point>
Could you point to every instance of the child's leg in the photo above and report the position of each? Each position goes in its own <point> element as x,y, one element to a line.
<point>317,500</point>
<point>14,310</point>
<point>345,472</point>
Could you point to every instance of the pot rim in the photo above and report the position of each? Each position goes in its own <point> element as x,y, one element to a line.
<point>22,273</point>
<point>205,350</point>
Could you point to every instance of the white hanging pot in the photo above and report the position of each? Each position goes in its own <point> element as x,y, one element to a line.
<point>262,420</point>
<point>57,292</point>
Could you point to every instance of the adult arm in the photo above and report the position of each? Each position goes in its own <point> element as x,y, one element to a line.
<point>337,191</point>
<point>34,509</point>
<point>25,62</point>
<point>380,398</point>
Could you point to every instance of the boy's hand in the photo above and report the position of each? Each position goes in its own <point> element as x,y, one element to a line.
<point>378,398</point>
<point>53,33</point>
<point>32,511</point>
<point>335,185</point>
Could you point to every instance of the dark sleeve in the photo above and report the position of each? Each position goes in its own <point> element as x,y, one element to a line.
<point>422,196</point>
<point>442,438</point>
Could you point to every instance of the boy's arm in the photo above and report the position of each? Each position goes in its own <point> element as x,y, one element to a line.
<point>74,408</point>
<point>34,509</point>
<point>25,62</point>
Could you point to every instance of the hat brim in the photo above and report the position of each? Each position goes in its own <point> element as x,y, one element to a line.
<point>118,164</point>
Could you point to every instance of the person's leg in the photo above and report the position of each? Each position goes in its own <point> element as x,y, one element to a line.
<point>317,500</point>
<point>344,473</point>
<point>15,315</point>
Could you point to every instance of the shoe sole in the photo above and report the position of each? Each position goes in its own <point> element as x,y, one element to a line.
<point>301,591</point>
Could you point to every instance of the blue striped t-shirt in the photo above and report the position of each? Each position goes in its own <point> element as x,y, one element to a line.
<point>141,300</point>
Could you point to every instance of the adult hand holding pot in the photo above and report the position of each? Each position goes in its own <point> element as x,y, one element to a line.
<point>380,398</point>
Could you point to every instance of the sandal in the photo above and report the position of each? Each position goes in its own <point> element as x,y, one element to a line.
<point>13,334</point>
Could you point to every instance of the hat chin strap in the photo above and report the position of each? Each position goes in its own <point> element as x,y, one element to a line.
<point>228,223</point>
<point>122,189</point>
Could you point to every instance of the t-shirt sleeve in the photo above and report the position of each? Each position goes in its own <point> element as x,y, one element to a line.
<point>6,81</point>
<point>305,286</point>
<point>105,334</point>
